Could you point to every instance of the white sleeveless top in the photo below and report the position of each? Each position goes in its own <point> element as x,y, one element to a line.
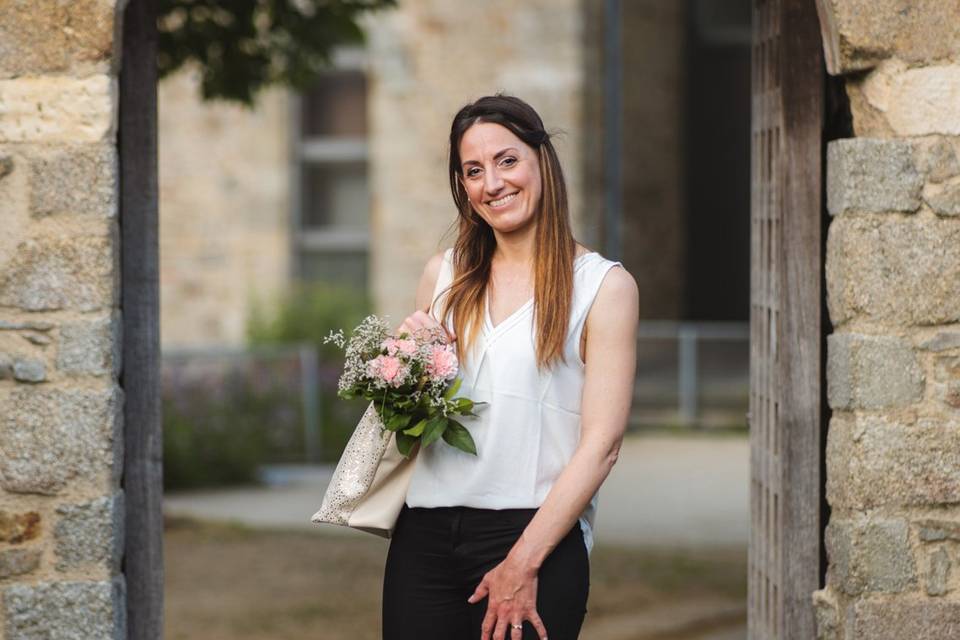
<point>529,430</point>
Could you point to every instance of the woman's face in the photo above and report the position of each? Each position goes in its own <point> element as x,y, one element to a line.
<point>501,175</point>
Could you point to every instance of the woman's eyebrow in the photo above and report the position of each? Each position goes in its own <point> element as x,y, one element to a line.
<point>495,157</point>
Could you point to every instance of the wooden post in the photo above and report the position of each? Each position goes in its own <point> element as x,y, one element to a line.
<point>140,379</point>
<point>802,335</point>
<point>786,353</point>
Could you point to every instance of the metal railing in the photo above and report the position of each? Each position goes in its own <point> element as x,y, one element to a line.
<point>731,369</point>
<point>683,380</point>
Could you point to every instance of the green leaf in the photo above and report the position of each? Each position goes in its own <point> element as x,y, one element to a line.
<point>417,429</point>
<point>405,444</point>
<point>449,393</point>
<point>464,404</point>
<point>434,429</point>
<point>456,435</point>
<point>397,421</point>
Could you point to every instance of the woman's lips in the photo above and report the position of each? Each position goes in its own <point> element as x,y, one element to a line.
<point>503,201</point>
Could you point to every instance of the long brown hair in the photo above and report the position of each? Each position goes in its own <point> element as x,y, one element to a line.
<point>554,244</point>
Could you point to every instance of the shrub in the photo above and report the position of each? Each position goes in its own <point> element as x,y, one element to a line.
<point>306,315</point>
<point>219,431</point>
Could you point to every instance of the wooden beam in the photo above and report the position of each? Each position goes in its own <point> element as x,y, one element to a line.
<point>802,68</point>
<point>140,301</point>
<point>787,309</point>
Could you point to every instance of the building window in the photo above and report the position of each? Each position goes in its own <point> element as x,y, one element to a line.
<point>331,203</point>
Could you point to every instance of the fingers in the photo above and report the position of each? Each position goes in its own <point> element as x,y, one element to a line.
<point>515,631</point>
<point>537,623</point>
<point>504,624</point>
<point>479,593</point>
<point>432,322</point>
<point>500,632</point>
<point>412,323</point>
<point>486,629</point>
<point>419,319</point>
<point>507,624</point>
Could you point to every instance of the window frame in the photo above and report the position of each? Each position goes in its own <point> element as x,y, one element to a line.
<point>333,150</point>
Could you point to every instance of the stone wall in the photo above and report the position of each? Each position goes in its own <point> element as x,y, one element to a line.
<point>427,59</point>
<point>61,505</point>
<point>893,286</point>
<point>224,181</point>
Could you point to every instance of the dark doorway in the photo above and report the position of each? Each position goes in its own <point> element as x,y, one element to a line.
<point>717,160</point>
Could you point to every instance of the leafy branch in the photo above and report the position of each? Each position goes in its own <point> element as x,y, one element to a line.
<point>243,46</point>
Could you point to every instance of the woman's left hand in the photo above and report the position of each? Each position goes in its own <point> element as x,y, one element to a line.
<point>512,598</point>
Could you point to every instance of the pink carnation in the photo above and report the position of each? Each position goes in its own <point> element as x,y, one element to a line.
<point>407,347</point>
<point>389,369</point>
<point>442,362</point>
<point>390,344</point>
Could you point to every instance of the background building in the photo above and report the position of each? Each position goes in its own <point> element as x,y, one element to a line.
<point>347,183</point>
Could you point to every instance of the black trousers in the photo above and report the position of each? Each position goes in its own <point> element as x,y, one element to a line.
<point>438,556</point>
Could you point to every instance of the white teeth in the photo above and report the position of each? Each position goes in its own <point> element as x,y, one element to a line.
<point>502,201</point>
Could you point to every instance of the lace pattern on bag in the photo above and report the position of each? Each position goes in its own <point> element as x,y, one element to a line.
<point>355,472</point>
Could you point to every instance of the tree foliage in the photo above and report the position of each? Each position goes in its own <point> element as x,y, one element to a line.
<point>242,46</point>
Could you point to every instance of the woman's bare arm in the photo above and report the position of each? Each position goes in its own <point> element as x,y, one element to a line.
<point>424,296</point>
<point>428,280</point>
<point>607,395</point>
<point>611,359</point>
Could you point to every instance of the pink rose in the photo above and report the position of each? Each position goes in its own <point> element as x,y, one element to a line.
<point>442,362</point>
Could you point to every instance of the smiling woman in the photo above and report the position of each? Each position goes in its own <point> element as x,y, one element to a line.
<point>496,545</point>
<point>512,183</point>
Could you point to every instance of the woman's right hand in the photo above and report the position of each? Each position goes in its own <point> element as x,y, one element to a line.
<point>422,320</point>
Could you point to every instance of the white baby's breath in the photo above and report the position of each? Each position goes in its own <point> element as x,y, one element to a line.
<point>336,337</point>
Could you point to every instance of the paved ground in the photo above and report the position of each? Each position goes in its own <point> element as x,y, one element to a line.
<point>677,491</point>
<point>664,491</point>
<point>671,491</point>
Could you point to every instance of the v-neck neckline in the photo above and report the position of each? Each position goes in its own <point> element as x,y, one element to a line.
<point>516,313</point>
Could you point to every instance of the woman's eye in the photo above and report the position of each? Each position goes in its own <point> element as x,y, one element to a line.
<point>472,172</point>
<point>509,161</point>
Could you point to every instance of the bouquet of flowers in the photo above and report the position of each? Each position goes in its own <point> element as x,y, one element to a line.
<point>412,381</point>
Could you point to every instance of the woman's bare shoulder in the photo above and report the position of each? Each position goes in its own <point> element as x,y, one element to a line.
<point>618,297</point>
<point>581,249</point>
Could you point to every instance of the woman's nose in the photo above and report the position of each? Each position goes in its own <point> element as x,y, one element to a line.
<point>492,181</point>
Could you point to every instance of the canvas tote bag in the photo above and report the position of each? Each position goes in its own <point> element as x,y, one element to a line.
<point>369,485</point>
